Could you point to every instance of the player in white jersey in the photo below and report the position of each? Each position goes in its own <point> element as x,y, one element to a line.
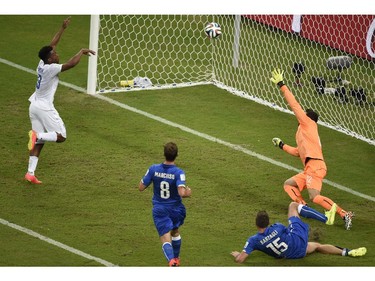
<point>46,122</point>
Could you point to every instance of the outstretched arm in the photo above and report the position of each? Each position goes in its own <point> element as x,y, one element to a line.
<point>57,36</point>
<point>294,105</point>
<point>287,148</point>
<point>291,150</point>
<point>239,257</point>
<point>277,78</point>
<point>75,60</point>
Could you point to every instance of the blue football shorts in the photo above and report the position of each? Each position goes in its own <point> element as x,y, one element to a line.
<point>298,235</point>
<point>168,217</point>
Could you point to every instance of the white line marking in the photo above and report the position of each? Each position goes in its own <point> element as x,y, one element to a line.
<point>169,123</point>
<point>202,135</point>
<point>20,67</point>
<point>53,242</point>
<point>228,144</point>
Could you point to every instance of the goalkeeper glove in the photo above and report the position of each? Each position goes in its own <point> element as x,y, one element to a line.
<point>278,142</point>
<point>277,77</point>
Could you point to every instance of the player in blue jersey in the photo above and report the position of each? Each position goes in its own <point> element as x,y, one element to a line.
<point>168,211</point>
<point>291,242</point>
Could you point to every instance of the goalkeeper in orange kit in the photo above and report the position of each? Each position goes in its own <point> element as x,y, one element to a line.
<point>310,151</point>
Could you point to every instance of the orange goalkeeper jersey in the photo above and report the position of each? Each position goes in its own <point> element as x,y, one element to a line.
<point>307,136</point>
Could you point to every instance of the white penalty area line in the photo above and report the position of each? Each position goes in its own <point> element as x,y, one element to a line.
<point>194,132</point>
<point>55,243</point>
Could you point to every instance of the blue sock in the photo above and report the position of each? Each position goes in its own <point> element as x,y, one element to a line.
<point>176,244</point>
<point>308,212</point>
<point>168,251</point>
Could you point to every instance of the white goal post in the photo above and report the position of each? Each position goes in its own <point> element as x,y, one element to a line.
<point>329,60</point>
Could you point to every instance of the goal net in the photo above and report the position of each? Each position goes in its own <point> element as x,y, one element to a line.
<point>328,60</point>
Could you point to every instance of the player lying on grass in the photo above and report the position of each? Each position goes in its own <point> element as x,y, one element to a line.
<point>291,242</point>
<point>309,149</point>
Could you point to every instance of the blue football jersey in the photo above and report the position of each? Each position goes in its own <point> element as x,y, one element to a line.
<point>166,179</point>
<point>280,241</point>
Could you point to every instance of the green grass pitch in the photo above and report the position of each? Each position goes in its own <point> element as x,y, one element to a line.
<point>89,198</point>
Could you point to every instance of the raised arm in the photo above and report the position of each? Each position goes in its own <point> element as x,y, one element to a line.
<point>75,60</point>
<point>277,78</point>
<point>57,36</point>
<point>294,105</point>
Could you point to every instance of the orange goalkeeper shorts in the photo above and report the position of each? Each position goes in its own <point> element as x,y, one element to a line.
<point>312,176</point>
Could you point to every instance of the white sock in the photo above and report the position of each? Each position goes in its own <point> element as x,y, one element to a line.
<point>345,252</point>
<point>51,136</point>
<point>33,162</point>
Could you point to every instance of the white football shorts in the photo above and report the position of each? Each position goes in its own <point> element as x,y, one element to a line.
<point>44,121</point>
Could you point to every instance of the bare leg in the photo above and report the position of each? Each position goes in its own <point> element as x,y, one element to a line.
<point>37,149</point>
<point>323,248</point>
<point>293,210</point>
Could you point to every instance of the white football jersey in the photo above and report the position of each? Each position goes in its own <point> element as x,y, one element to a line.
<point>46,85</point>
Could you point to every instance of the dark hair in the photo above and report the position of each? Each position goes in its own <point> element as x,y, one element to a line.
<point>170,151</point>
<point>312,114</point>
<point>44,53</point>
<point>262,220</point>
